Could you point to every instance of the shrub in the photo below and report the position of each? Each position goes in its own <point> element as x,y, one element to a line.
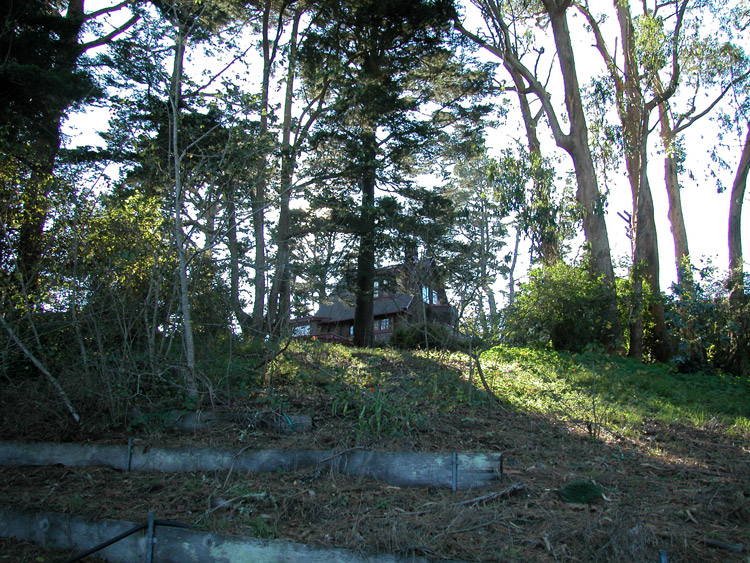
<point>422,335</point>
<point>702,316</point>
<point>565,306</point>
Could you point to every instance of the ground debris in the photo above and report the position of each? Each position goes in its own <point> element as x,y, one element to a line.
<point>666,496</point>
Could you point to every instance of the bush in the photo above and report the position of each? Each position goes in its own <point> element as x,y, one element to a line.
<point>565,306</point>
<point>422,335</point>
<point>709,328</point>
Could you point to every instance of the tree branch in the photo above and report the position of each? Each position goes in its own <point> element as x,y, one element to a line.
<point>110,36</point>
<point>40,367</point>
<point>675,78</point>
<point>109,10</point>
<point>682,126</point>
<point>511,61</point>
<point>601,46</point>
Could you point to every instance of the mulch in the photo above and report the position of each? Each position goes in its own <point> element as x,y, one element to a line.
<point>679,490</point>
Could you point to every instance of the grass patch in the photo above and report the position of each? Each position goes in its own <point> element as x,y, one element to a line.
<point>603,389</point>
<point>387,392</point>
<point>674,470</point>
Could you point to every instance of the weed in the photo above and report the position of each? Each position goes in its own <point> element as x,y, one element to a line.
<point>264,528</point>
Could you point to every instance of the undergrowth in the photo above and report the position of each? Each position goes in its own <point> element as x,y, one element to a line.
<point>388,392</point>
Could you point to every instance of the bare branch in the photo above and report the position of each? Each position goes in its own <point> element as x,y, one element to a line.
<point>40,366</point>
<point>110,36</point>
<point>511,61</point>
<point>109,10</point>
<point>680,126</point>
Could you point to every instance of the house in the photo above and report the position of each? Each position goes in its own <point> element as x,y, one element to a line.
<point>404,294</point>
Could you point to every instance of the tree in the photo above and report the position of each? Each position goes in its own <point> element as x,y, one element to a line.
<point>575,142</point>
<point>656,64</point>
<point>481,231</point>
<point>737,296</point>
<point>634,111</point>
<point>383,58</point>
<point>294,136</point>
<point>180,169</point>
<point>41,49</point>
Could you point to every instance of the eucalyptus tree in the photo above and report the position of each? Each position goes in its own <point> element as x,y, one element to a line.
<point>713,68</point>
<point>634,108</point>
<point>383,59</point>
<point>505,22</point>
<point>659,55</point>
<point>738,300</point>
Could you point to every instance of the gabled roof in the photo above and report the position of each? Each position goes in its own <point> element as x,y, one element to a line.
<point>338,311</point>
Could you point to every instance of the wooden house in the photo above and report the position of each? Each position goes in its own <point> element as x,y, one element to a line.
<point>404,294</point>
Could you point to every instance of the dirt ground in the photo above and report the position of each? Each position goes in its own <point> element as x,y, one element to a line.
<point>681,491</point>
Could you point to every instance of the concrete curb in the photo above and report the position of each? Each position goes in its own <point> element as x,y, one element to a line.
<point>457,471</point>
<point>178,545</point>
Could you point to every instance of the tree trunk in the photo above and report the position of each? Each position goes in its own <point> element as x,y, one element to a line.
<point>693,352</point>
<point>577,145</point>
<point>279,297</point>
<point>175,99</point>
<point>735,215</point>
<point>676,217</point>
<point>647,253</point>
<point>363,312</point>
<point>243,319</point>
<point>46,148</point>
<point>634,116</point>
<point>512,269</point>
<point>737,297</point>
<point>259,197</point>
<point>485,242</point>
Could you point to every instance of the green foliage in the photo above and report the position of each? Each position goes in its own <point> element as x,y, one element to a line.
<point>581,492</point>
<point>39,72</point>
<point>702,315</point>
<point>375,410</point>
<point>565,306</point>
<point>652,42</point>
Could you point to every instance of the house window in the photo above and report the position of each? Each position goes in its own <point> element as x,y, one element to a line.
<point>429,296</point>
<point>302,330</point>
<point>381,324</point>
<point>351,330</point>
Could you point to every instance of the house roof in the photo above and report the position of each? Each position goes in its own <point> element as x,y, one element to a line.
<point>338,311</point>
